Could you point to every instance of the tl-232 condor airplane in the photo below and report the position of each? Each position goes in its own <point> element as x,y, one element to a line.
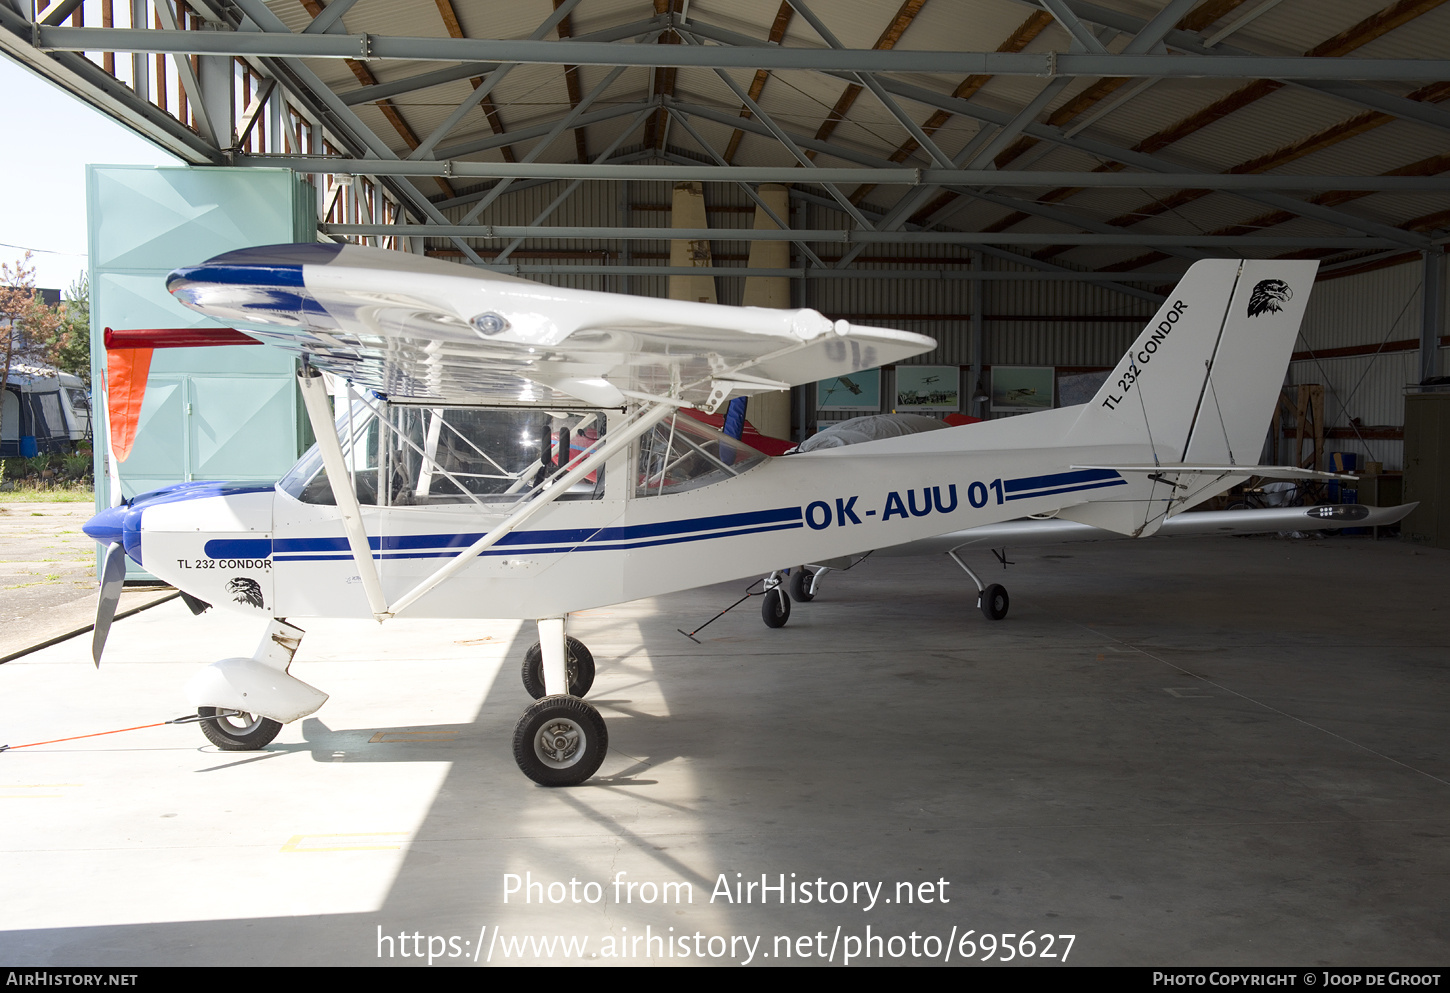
<point>508,449</point>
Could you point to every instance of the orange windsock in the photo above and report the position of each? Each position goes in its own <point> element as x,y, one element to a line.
<point>126,372</point>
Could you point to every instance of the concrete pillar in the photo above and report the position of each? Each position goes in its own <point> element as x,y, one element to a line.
<point>688,211</point>
<point>770,412</point>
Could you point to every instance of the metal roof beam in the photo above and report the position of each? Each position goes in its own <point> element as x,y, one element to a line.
<point>1079,31</point>
<point>518,135</point>
<point>1190,42</point>
<point>966,275</point>
<point>854,236</point>
<point>780,222</point>
<point>91,84</point>
<point>886,175</point>
<point>1040,266</point>
<point>339,119</point>
<point>568,191</point>
<point>562,125</point>
<point>1143,160</point>
<point>329,19</point>
<point>1047,64</point>
<point>780,134</point>
<point>1026,206</point>
<point>481,92</point>
<point>438,77</point>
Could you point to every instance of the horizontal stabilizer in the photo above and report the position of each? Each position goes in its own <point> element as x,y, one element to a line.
<point>1029,532</point>
<point>1204,469</point>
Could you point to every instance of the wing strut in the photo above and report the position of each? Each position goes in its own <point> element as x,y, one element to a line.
<point>314,398</point>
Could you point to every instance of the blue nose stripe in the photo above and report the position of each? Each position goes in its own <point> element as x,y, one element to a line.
<point>106,527</point>
<point>123,523</point>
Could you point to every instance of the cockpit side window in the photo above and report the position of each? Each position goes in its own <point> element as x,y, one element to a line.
<point>680,453</point>
<point>430,456</point>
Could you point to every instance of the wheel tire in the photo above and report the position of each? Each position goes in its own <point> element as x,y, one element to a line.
<point>800,586</point>
<point>578,663</point>
<point>994,602</point>
<point>560,741</point>
<point>242,733</point>
<point>776,608</point>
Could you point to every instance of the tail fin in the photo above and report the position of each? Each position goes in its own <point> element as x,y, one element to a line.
<point>1198,385</point>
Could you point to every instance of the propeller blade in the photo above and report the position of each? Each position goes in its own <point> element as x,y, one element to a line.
<point>113,577</point>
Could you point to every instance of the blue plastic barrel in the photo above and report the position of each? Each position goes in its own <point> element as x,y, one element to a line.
<point>28,448</point>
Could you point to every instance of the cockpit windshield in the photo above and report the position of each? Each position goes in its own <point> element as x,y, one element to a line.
<point>427,456</point>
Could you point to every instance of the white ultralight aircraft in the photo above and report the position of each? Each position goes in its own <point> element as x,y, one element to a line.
<point>509,449</point>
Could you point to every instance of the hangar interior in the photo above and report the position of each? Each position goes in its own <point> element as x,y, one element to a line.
<point>1022,180</point>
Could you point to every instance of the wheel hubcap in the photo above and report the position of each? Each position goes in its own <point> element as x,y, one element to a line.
<point>238,723</point>
<point>559,743</point>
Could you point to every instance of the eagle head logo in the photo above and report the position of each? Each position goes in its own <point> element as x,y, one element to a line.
<point>246,590</point>
<point>1269,297</point>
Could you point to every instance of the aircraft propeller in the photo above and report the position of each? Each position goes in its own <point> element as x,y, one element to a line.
<point>113,577</point>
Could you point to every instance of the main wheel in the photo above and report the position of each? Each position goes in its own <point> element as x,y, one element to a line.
<point>776,607</point>
<point>994,602</point>
<point>237,732</point>
<point>800,585</point>
<point>578,663</point>
<point>560,741</point>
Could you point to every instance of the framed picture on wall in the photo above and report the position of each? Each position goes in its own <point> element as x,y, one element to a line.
<point>859,391</point>
<point>927,387</point>
<point>1019,388</point>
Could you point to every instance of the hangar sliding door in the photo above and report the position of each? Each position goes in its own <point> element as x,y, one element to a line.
<point>209,413</point>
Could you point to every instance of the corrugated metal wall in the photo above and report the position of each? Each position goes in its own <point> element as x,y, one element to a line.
<point>1367,309</point>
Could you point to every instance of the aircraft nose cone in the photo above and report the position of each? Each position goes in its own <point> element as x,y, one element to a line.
<point>108,526</point>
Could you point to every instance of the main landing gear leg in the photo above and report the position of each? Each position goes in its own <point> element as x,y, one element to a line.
<point>992,598</point>
<point>560,740</point>
<point>805,582</point>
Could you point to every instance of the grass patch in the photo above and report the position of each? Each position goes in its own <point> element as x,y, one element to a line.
<point>47,496</point>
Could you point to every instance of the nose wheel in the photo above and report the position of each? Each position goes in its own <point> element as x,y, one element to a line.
<point>233,731</point>
<point>775,607</point>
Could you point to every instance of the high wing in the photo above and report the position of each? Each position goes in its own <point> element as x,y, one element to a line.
<point>1030,532</point>
<point>415,328</point>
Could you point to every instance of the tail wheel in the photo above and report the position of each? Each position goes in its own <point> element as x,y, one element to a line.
<point>560,741</point>
<point>776,607</point>
<point>994,602</point>
<point>578,663</point>
<point>234,732</point>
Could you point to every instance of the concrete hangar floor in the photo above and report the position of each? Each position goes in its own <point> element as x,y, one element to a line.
<point>1211,751</point>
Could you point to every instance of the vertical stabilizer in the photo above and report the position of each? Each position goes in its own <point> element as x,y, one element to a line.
<point>1248,366</point>
<point>1151,396</point>
<point>1198,385</point>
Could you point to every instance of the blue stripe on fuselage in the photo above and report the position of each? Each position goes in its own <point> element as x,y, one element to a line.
<point>554,541</point>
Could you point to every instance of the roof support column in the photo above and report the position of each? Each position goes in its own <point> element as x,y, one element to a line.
<point>769,412</point>
<point>974,384</point>
<point>1432,313</point>
<point>215,78</point>
<point>687,210</point>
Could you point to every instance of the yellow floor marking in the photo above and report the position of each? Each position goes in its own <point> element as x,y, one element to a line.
<point>403,737</point>
<point>295,843</point>
<point>33,786</point>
